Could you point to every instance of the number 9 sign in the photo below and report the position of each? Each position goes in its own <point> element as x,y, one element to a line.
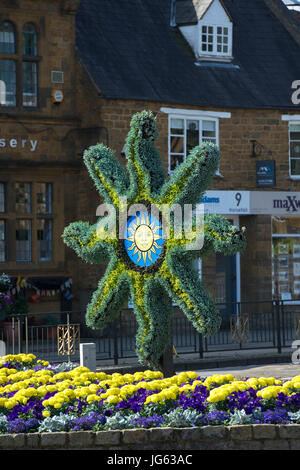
<point>238,198</point>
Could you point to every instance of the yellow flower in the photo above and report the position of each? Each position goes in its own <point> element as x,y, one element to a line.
<point>112,399</point>
<point>113,391</point>
<point>93,397</point>
<point>46,413</point>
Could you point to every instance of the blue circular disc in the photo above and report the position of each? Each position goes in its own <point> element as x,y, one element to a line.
<point>143,239</point>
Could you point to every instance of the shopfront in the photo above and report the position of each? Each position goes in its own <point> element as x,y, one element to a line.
<point>270,266</point>
<point>284,211</point>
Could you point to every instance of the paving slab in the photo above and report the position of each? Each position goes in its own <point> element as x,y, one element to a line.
<point>241,363</point>
<point>281,371</point>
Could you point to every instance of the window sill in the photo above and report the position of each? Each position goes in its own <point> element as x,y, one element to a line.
<point>216,63</point>
<point>215,58</point>
<point>295,177</point>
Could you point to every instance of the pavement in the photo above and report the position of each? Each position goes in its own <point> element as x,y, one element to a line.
<point>240,363</point>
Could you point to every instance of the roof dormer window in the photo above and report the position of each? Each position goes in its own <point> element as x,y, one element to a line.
<point>215,40</point>
<point>207,26</point>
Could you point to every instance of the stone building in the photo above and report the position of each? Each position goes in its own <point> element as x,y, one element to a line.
<point>73,73</point>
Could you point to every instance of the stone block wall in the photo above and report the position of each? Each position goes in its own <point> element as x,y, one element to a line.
<point>240,437</point>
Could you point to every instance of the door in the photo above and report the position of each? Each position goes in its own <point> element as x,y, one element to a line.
<point>227,281</point>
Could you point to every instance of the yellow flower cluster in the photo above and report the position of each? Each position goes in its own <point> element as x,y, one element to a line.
<point>26,358</point>
<point>77,383</point>
<point>268,387</point>
<point>213,380</point>
<point>112,388</point>
<point>288,388</point>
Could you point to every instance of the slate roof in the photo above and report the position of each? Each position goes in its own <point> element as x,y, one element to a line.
<point>131,52</point>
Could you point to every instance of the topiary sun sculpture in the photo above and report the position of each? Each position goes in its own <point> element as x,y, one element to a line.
<point>144,264</point>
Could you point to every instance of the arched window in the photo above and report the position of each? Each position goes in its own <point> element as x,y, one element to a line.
<point>7,38</point>
<point>29,40</point>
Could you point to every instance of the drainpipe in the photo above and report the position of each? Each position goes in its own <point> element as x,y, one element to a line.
<point>173,14</point>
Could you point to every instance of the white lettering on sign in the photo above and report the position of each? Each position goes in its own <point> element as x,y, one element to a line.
<point>14,143</point>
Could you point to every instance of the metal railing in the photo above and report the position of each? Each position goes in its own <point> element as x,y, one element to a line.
<point>245,325</point>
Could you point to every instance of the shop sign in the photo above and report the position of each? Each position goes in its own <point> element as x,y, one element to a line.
<point>275,202</point>
<point>251,202</point>
<point>226,202</point>
<point>265,173</point>
<point>18,143</point>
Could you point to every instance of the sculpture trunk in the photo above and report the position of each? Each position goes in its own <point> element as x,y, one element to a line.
<point>166,361</point>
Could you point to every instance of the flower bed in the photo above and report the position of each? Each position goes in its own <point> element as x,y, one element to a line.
<point>36,396</point>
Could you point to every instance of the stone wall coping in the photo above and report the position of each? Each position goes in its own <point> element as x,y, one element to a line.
<point>250,436</point>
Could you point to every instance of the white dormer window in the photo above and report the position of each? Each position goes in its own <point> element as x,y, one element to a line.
<point>215,40</point>
<point>211,34</point>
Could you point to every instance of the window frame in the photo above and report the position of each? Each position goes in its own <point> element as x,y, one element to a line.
<point>30,245</point>
<point>14,83</point>
<point>215,53</point>
<point>290,123</point>
<point>11,216</point>
<point>35,44</point>
<point>14,36</point>
<point>32,58</point>
<point>278,236</point>
<point>39,247</point>
<point>4,186</point>
<point>19,58</point>
<point>5,239</point>
<point>189,117</point>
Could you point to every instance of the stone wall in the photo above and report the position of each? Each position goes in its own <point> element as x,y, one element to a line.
<point>241,437</point>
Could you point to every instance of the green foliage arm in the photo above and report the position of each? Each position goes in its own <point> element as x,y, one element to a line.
<point>82,238</point>
<point>144,164</point>
<point>190,180</point>
<point>183,285</point>
<point>106,171</point>
<point>221,236</point>
<point>110,296</point>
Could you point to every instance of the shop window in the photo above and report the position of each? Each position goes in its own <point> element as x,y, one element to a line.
<point>44,198</point>
<point>2,197</point>
<point>23,198</point>
<point>18,68</point>
<point>294,141</point>
<point>2,241</point>
<point>23,240</point>
<point>187,133</point>
<point>44,236</point>
<point>34,199</point>
<point>27,222</point>
<point>286,258</point>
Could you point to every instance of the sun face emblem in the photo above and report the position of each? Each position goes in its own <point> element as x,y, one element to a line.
<point>144,239</point>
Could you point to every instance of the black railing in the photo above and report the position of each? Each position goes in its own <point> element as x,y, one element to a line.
<point>245,325</point>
